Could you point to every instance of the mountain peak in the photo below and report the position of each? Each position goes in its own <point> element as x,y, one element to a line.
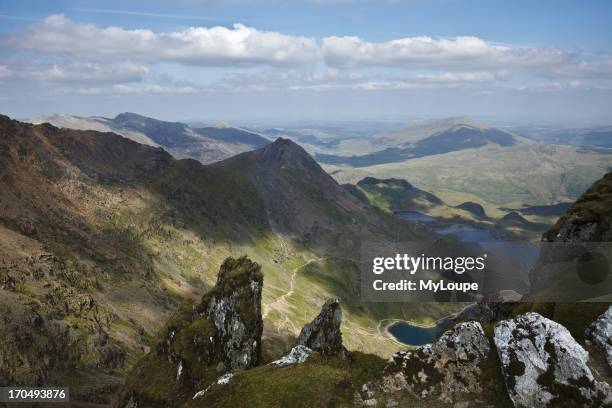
<point>284,152</point>
<point>137,120</point>
<point>129,116</point>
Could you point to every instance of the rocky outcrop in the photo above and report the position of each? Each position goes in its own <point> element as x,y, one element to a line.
<point>323,333</point>
<point>449,369</point>
<point>544,366</point>
<point>234,308</point>
<point>220,334</point>
<point>600,334</point>
<point>296,355</point>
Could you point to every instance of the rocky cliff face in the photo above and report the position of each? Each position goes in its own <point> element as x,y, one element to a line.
<point>220,334</point>
<point>544,366</point>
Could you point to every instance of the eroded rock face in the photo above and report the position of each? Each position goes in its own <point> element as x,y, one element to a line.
<point>544,366</point>
<point>600,333</point>
<point>234,307</point>
<point>447,369</point>
<point>323,333</point>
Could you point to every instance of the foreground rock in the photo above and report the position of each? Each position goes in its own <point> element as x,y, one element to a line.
<point>323,333</point>
<point>449,370</point>
<point>544,366</point>
<point>600,333</point>
<point>220,334</point>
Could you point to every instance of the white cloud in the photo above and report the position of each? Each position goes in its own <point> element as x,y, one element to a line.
<point>119,72</point>
<point>215,46</point>
<point>594,69</point>
<point>457,77</point>
<point>141,89</point>
<point>84,58</point>
<point>460,52</point>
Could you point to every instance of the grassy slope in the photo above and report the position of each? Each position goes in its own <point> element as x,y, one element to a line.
<point>317,383</point>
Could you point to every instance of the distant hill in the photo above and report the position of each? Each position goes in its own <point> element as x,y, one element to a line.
<point>392,195</point>
<point>207,145</point>
<point>596,136</point>
<point>233,135</point>
<point>474,208</point>
<point>456,137</point>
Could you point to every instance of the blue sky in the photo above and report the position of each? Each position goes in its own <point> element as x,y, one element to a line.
<point>247,60</point>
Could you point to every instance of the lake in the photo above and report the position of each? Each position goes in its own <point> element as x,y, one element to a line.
<point>417,336</point>
<point>413,216</point>
<point>467,233</point>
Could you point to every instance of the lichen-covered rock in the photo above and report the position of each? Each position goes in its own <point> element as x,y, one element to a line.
<point>446,370</point>
<point>296,355</point>
<point>323,333</point>
<point>544,366</point>
<point>220,334</point>
<point>234,307</point>
<point>600,333</point>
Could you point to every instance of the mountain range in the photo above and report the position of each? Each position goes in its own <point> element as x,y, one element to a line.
<point>206,144</point>
<point>461,160</point>
<point>103,238</point>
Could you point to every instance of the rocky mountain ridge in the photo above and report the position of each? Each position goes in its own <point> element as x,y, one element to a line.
<point>206,144</point>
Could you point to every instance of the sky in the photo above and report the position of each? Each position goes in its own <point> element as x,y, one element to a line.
<point>308,60</point>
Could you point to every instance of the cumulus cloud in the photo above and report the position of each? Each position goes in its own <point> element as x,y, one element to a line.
<point>101,60</point>
<point>466,52</point>
<point>215,46</point>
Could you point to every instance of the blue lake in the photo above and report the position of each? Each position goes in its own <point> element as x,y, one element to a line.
<point>415,335</point>
<point>413,216</point>
<point>467,233</point>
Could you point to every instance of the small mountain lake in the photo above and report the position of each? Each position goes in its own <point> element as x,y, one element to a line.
<point>468,233</point>
<point>414,335</point>
<point>413,216</point>
<point>464,232</point>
